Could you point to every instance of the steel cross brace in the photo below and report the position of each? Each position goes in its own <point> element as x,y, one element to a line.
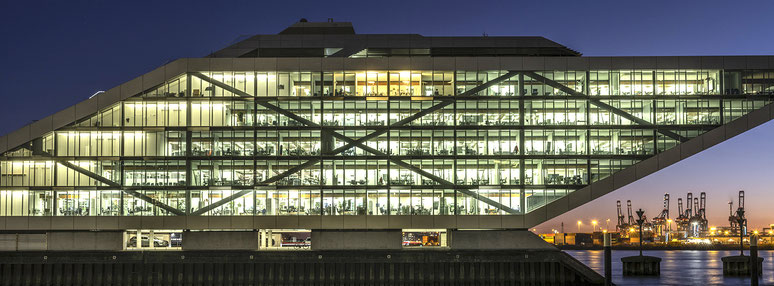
<point>274,178</point>
<point>108,182</point>
<point>431,176</point>
<point>356,142</point>
<point>424,112</point>
<point>605,106</point>
<point>239,194</point>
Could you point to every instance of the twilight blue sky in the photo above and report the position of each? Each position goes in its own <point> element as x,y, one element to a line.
<point>57,53</point>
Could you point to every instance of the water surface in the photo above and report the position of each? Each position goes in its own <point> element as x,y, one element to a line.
<point>678,267</point>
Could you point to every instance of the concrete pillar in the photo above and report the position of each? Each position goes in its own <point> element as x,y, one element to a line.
<point>151,237</point>
<point>754,272</point>
<point>608,260</point>
<point>641,265</point>
<point>31,241</point>
<point>8,242</point>
<point>495,239</point>
<point>85,240</point>
<point>23,242</point>
<point>220,240</point>
<point>357,239</point>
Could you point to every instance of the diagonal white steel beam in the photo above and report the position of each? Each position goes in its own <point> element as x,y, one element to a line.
<point>239,194</point>
<point>354,142</point>
<point>221,202</point>
<point>259,102</point>
<point>109,182</point>
<point>605,106</point>
<point>431,176</point>
<point>424,112</point>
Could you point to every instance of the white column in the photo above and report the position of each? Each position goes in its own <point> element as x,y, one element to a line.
<point>150,239</point>
<point>126,240</point>
<point>138,238</point>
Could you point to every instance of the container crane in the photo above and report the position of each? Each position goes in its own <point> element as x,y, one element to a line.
<point>688,206</point>
<point>738,220</point>
<point>660,221</point>
<point>647,228</point>
<point>684,217</point>
<point>703,208</point>
<point>622,227</point>
<point>696,207</point>
<point>680,212</point>
<point>698,222</point>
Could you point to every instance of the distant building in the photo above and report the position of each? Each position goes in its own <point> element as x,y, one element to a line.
<point>572,239</point>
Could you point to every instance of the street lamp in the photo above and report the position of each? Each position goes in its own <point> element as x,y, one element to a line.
<point>640,221</point>
<point>579,225</point>
<point>594,225</point>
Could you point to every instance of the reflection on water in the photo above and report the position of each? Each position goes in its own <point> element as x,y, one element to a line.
<point>678,267</point>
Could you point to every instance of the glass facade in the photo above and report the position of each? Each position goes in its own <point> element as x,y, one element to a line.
<point>372,142</point>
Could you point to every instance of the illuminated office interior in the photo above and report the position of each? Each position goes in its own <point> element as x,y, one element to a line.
<point>367,142</point>
<point>362,141</point>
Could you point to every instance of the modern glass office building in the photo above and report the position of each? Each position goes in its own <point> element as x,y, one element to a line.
<point>321,128</point>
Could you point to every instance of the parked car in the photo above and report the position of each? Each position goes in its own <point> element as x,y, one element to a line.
<point>157,242</point>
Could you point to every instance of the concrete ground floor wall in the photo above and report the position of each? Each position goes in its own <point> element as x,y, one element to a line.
<point>252,240</point>
<point>356,239</point>
<point>63,241</point>
<point>220,240</point>
<point>496,239</point>
<point>23,241</point>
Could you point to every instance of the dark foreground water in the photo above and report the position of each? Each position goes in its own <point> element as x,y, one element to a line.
<point>678,267</point>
